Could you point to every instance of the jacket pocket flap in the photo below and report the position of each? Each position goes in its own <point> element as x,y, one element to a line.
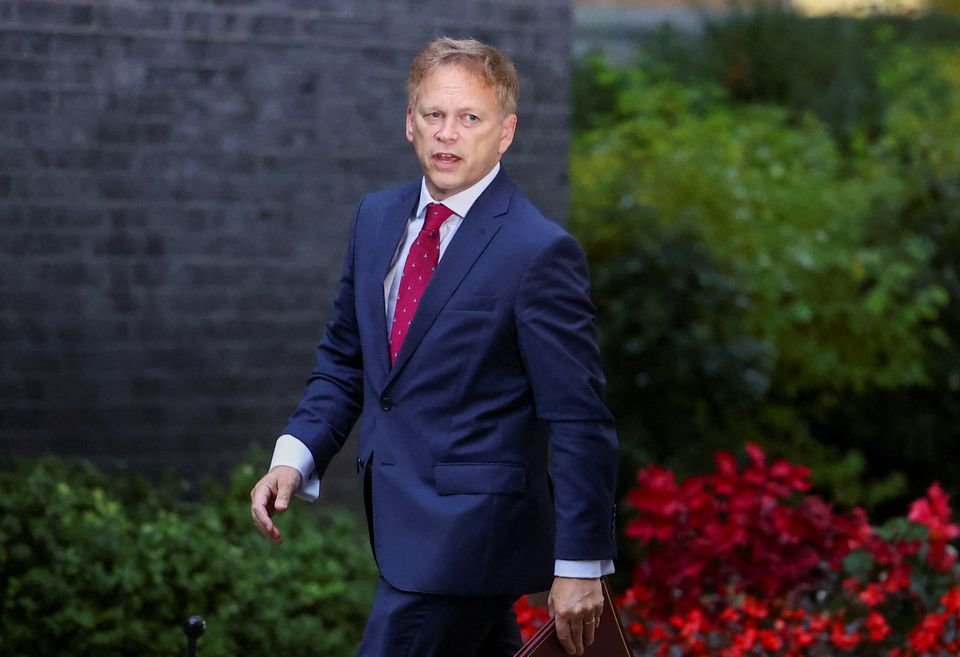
<point>475,304</point>
<point>480,478</point>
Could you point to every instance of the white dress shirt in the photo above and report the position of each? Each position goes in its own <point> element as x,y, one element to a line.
<point>292,452</point>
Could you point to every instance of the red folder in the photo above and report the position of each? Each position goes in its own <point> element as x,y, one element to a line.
<point>609,640</point>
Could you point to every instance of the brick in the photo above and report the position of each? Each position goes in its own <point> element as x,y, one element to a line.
<point>12,100</point>
<point>65,274</point>
<point>81,15</point>
<point>64,186</point>
<point>35,12</point>
<point>40,101</point>
<point>77,46</point>
<point>26,244</point>
<point>272,25</point>
<point>179,77</point>
<point>59,217</point>
<point>21,391</point>
<point>119,244</point>
<point>13,158</point>
<point>80,102</point>
<point>13,186</point>
<point>198,22</point>
<point>116,132</point>
<point>135,18</point>
<point>229,24</point>
<point>127,218</point>
<point>12,215</point>
<point>342,30</point>
<point>14,419</point>
<point>26,72</point>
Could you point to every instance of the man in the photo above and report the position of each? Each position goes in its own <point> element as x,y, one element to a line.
<point>463,332</point>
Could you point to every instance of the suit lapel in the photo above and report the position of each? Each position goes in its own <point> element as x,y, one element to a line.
<point>478,228</point>
<point>388,237</point>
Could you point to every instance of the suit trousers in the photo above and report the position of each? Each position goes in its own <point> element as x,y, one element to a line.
<point>404,624</point>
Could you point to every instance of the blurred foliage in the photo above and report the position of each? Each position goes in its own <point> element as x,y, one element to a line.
<point>102,564</point>
<point>771,214</point>
<point>945,6</point>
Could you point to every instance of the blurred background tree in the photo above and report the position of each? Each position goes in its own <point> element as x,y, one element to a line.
<point>771,207</point>
<point>945,6</point>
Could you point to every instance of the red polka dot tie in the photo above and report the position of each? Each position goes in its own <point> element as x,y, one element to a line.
<point>421,261</point>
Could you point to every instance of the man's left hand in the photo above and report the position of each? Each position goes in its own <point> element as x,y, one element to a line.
<point>576,605</point>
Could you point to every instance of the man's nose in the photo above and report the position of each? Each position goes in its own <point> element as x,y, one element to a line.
<point>447,131</point>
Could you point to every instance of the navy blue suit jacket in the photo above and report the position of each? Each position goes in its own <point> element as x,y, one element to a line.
<point>500,367</point>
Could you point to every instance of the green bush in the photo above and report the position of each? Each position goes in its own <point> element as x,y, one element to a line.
<point>100,564</point>
<point>764,52</point>
<point>760,276</point>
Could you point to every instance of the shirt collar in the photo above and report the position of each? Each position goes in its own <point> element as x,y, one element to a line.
<point>461,202</point>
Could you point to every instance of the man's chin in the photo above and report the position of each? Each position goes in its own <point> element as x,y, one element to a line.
<point>443,186</point>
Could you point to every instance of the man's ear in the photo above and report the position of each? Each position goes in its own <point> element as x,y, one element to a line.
<point>508,128</point>
<point>409,124</point>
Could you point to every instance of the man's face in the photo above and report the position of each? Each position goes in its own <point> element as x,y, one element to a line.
<point>456,129</point>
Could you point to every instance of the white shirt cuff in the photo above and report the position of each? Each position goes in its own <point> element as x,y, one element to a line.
<point>292,452</point>
<point>582,569</point>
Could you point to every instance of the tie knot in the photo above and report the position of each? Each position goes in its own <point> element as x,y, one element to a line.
<point>437,213</point>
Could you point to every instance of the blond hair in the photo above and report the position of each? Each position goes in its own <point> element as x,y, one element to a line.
<point>490,63</point>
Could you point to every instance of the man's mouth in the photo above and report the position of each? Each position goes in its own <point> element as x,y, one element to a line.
<point>445,158</point>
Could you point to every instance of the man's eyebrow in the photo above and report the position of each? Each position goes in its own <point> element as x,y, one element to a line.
<point>466,109</point>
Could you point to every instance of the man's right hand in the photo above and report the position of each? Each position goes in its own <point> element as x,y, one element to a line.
<point>271,495</point>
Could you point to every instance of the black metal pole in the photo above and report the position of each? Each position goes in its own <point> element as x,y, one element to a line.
<point>193,628</point>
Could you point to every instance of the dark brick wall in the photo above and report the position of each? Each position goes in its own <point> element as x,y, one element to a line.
<point>176,184</point>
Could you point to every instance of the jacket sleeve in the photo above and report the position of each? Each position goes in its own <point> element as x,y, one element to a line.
<point>333,397</point>
<point>555,327</point>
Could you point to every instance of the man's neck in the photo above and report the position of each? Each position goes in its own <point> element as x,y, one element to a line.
<point>462,201</point>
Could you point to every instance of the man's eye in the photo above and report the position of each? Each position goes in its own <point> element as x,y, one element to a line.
<point>472,117</point>
<point>434,115</point>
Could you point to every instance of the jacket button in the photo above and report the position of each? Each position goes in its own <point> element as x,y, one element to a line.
<point>386,404</point>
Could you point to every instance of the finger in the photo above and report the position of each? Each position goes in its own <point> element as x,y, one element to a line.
<point>576,635</point>
<point>285,490</point>
<point>589,631</point>
<point>261,511</point>
<point>267,527</point>
<point>564,634</point>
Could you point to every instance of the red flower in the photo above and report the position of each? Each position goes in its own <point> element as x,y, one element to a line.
<point>743,562</point>
<point>745,641</point>
<point>802,638</point>
<point>933,512</point>
<point>730,615</point>
<point>951,600</point>
<point>530,618</point>
<point>872,595</point>
<point>897,579</point>
<point>841,639</point>
<point>819,623</point>
<point>659,634</point>
<point>877,627</point>
<point>795,477</point>
<point>770,640</point>
<point>926,636</point>
<point>940,556</point>
<point>754,608</point>
<point>726,475</point>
